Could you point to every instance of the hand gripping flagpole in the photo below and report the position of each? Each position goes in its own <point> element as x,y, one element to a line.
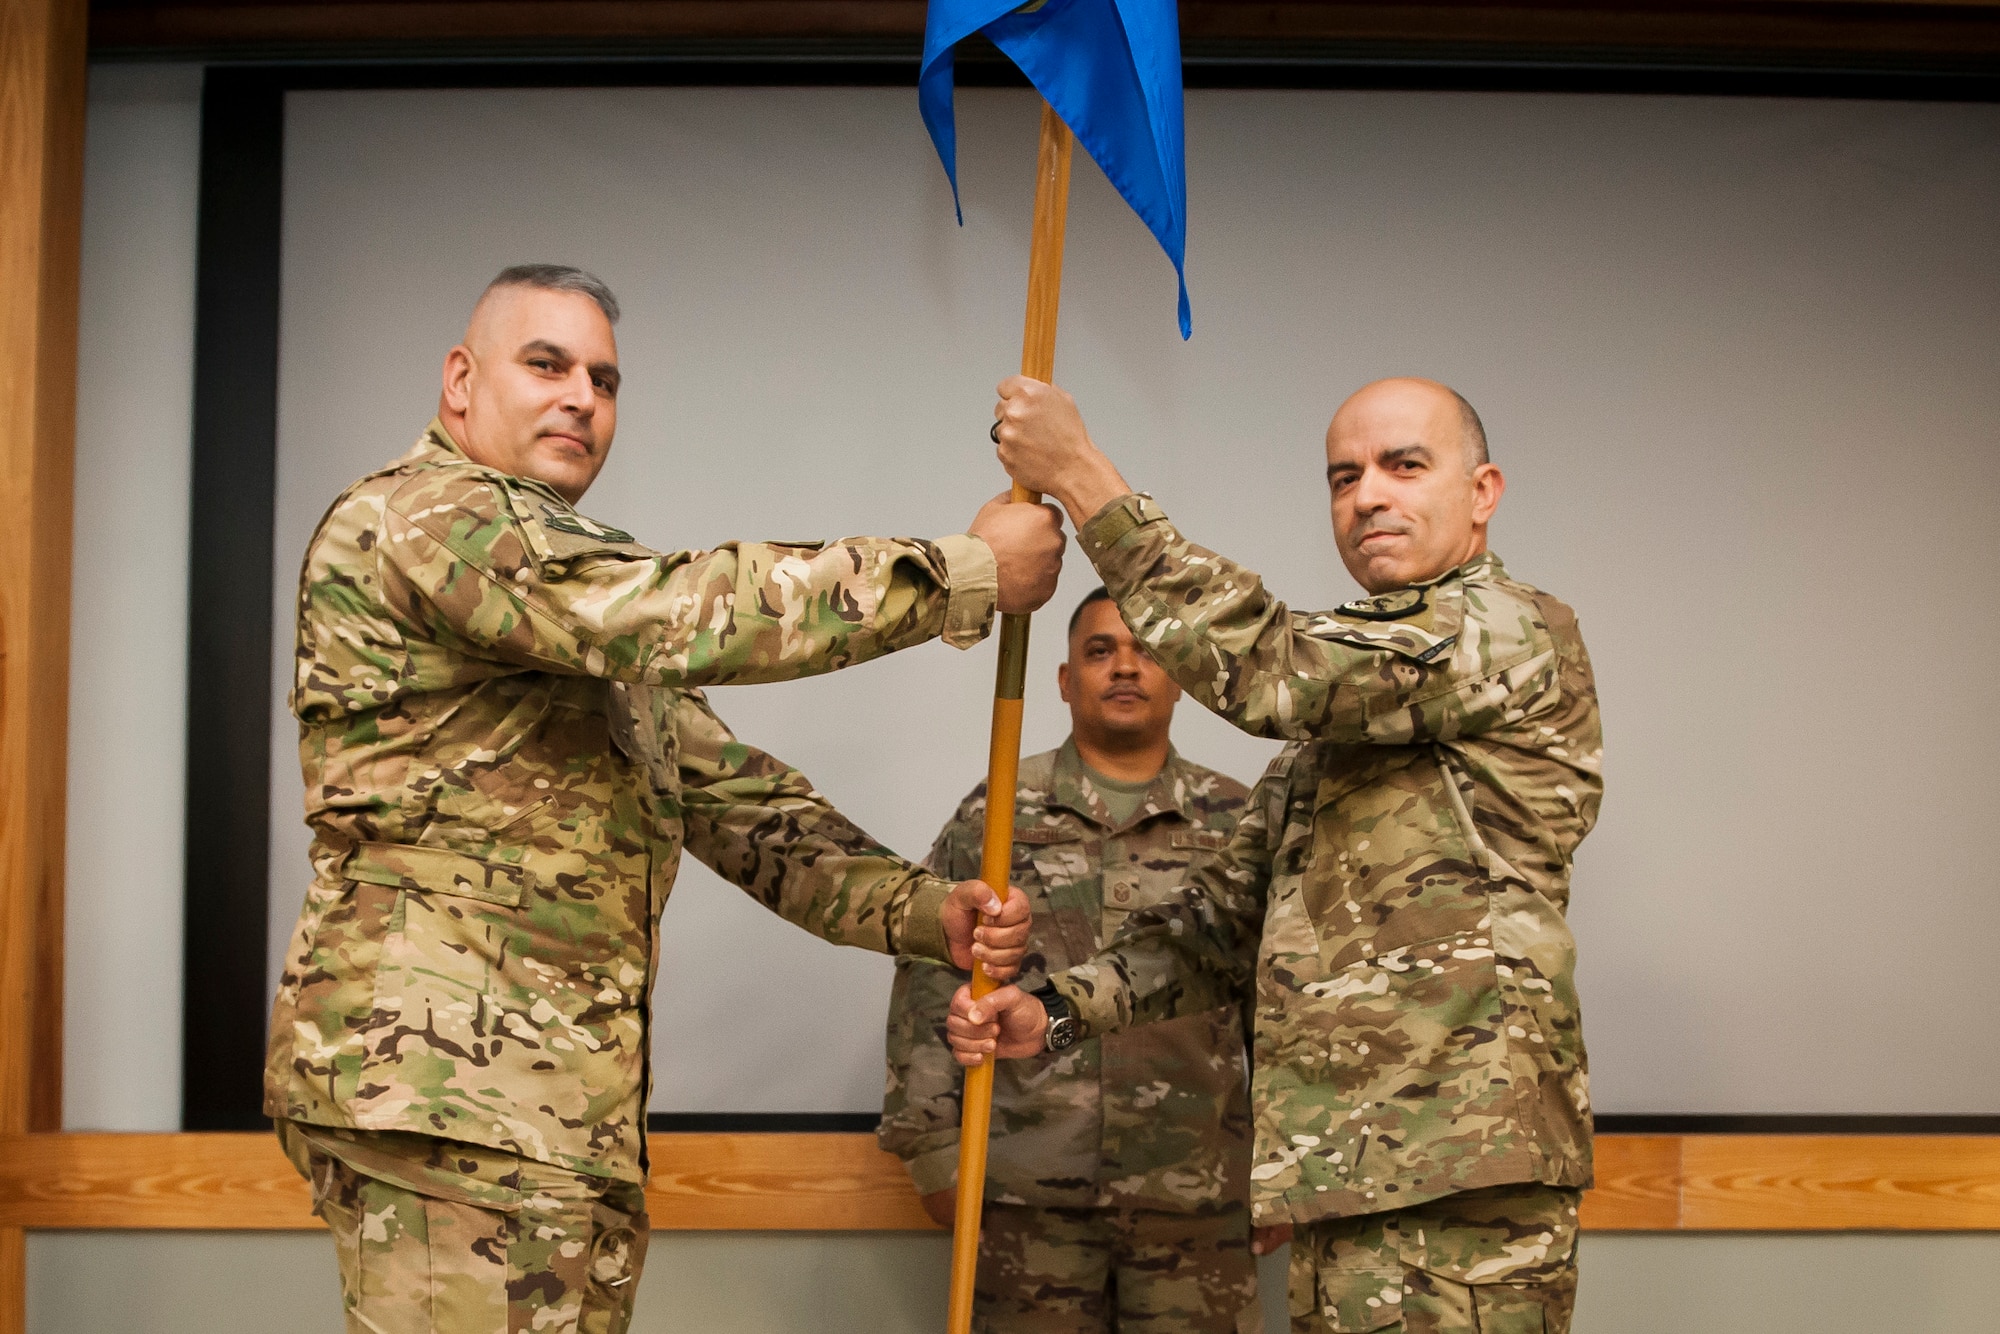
<point>1003,762</point>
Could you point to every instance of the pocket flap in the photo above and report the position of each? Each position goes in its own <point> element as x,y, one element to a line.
<point>1492,1243</point>
<point>440,871</point>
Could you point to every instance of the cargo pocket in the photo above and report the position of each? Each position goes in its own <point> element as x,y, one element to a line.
<point>1510,1249</point>
<point>345,1225</point>
<point>617,1255</point>
<point>1355,1301</point>
<point>1506,1308</point>
<point>1301,1282</point>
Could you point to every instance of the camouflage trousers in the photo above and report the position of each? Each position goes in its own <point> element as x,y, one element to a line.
<point>441,1238</point>
<point>1495,1261</point>
<point>1137,1271</point>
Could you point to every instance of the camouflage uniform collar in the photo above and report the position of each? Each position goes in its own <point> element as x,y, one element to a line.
<point>1486,565</point>
<point>436,445</point>
<point>436,439</point>
<point>1070,788</point>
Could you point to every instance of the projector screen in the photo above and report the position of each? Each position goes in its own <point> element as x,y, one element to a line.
<point>1737,359</point>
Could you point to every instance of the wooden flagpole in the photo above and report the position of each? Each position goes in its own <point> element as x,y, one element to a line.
<point>1003,763</point>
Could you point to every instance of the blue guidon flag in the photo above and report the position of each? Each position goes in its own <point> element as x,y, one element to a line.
<point>1112,71</point>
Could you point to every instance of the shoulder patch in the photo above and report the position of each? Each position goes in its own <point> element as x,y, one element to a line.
<point>569,521</point>
<point>1385,606</point>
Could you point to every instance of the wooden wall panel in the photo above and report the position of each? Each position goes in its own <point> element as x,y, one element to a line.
<point>842,1182</point>
<point>1638,1184</point>
<point>1811,1183</point>
<point>41,214</point>
<point>243,1181</point>
<point>810,1183</point>
<point>41,206</point>
<point>222,1180</point>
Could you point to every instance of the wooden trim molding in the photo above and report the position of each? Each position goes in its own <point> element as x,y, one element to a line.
<point>1811,1183</point>
<point>41,224</point>
<point>843,1182</point>
<point>42,74</point>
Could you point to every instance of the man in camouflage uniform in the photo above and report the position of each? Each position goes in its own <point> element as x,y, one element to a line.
<point>1397,886</point>
<point>1117,1183</point>
<point>505,749</point>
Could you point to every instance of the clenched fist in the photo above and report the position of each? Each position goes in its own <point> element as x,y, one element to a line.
<point>978,927</point>
<point>1044,447</point>
<point>1027,542</point>
<point>1007,1023</point>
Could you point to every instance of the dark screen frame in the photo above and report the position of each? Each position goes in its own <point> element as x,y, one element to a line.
<point>225,998</point>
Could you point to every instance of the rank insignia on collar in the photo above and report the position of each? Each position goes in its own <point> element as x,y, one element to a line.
<point>568,521</point>
<point>1385,606</point>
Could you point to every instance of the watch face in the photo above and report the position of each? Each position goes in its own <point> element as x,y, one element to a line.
<point>1062,1033</point>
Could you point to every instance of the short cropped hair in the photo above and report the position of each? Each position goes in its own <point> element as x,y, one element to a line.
<point>1097,594</point>
<point>558,278</point>
<point>1473,431</point>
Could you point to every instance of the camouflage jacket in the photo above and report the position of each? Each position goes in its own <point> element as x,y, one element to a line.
<point>1158,1117</point>
<point>505,748</point>
<point>1398,884</point>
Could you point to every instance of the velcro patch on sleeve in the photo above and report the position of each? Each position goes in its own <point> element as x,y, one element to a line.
<point>569,521</point>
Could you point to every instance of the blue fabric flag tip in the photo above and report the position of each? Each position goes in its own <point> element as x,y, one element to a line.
<point>1112,71</point>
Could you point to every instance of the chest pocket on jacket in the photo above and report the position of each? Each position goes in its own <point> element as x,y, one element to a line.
<point>440,871</point>
<point>1388,865</point>
<point>1154,875</point>
<point>1059,859</point>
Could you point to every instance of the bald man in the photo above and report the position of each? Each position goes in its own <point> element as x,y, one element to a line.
<point>1395,892</point>
<point>506,749</point>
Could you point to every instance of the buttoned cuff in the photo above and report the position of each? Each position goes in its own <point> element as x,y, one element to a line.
<point>934,1169</point>
<point>974,593</point>
<point>1095,1010</point>
<point>920,934</point>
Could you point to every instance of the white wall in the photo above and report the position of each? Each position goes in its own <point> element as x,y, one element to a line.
<point>1736,356</point>
<point>128,617</point>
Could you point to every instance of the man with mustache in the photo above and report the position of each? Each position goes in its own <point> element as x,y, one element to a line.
<point>1117,1186</point>
<point>1396,888</point>
<point>506,748</point>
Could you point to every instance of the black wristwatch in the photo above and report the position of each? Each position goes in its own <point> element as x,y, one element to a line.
<point>1061,1035</point>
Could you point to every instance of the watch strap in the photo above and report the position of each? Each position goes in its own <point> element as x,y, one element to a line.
<point>1060,1035</point>
<point>1053,1001</point>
